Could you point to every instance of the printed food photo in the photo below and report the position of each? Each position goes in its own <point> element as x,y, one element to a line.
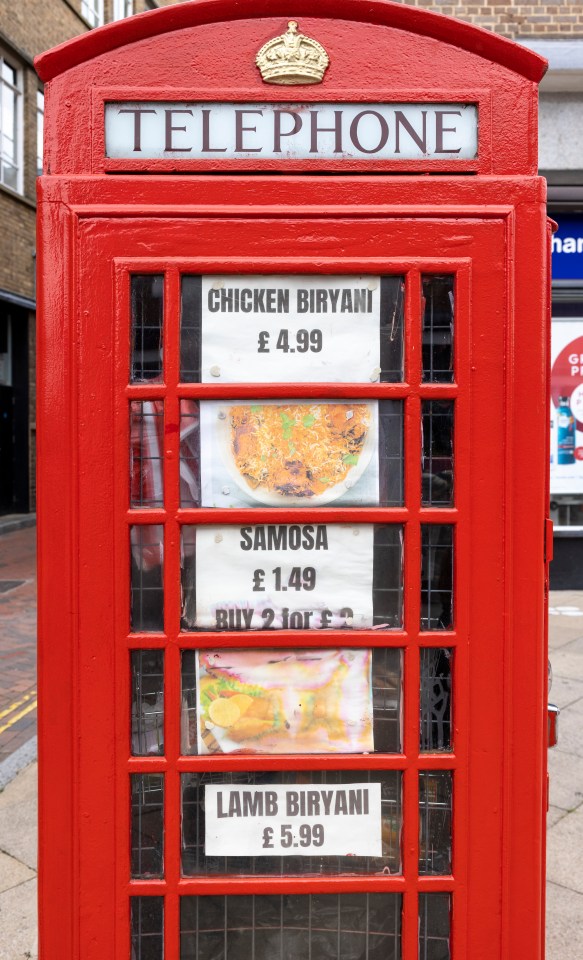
<point>294,453</point>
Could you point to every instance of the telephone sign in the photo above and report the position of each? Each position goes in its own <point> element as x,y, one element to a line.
<point>291,592</point>
<point>278,131</point>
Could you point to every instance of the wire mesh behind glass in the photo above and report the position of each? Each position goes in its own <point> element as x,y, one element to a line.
<point>147,309</point>
<point>146,453</point>
<point>147,928</point>
<point>147,704</point>
<point>437,445</point>
<point>434,926</point>
<point>438,328</point>
<point>437,545</point>
<point>435,812</point>
<point>147,577</point>
<point>147,813</point>
<point>435,699</point>
<point>346,926</point>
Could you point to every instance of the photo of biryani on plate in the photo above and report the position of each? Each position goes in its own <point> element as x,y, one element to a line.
<point>290,453</point>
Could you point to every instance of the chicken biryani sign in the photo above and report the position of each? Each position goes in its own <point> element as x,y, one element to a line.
<point>265,329</point>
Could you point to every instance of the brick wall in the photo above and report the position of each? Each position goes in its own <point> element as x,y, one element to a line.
<point>514,18</point>
<point>28,27</point>
<point>33,26</point>
<point>17,245</point>
<point>511,18</point>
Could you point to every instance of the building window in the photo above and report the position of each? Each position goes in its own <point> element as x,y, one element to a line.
<point>122,9</point>
<point>10,125</point>
<point>40,115</point>
<point>92,11</point>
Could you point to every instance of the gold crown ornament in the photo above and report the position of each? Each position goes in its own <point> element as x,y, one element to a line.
<point>292,58</point>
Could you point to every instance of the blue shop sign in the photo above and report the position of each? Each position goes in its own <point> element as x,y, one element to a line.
<point>567,261</point>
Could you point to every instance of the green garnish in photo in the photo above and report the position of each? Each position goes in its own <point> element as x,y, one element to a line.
<point>288,423</point>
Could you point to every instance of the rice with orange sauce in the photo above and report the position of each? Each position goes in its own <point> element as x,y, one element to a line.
<point>298,450</point>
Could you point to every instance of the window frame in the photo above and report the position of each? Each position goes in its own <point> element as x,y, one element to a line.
<point>122,9</point>
<point>40,116</point>
<point>93,13</point>
<point>17,88</point>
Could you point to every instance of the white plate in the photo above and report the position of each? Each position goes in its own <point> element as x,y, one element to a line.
<point>271,498</point>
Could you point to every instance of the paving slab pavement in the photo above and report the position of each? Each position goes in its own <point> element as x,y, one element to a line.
<point>17,638</point>
<point>18,864</point>
<point>565,821</point>
<point>564,924</point>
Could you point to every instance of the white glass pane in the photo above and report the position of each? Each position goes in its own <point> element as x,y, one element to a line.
<point>92,10</point>
<point>122,8</point>
<point>8,122</point>
<point>8,73</point>
<point>9,176</point>
<point>39,143</point>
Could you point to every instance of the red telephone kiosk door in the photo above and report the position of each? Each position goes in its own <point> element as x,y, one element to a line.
<point>291,576</point>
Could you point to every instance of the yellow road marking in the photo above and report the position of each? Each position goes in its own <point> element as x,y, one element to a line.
<point>18,716</point>
<point>16,704</point>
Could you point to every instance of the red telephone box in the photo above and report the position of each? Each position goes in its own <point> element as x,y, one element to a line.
<point>292,432</point>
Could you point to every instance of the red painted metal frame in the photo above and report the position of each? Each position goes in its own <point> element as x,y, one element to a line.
<point>489,45</point>
<point>497,815</point>
<point>488,226</point>
<point>379,51</point>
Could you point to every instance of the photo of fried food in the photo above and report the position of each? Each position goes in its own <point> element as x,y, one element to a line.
<point>242,716</point>
<point>300,449</point>
<point>290,701</point>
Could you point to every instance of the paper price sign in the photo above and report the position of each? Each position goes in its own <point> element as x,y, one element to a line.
<point>276,576</point>
<point>342,820</point>
<point>262,329</point>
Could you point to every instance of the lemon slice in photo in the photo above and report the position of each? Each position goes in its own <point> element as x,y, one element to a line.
<point>224,712</point>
